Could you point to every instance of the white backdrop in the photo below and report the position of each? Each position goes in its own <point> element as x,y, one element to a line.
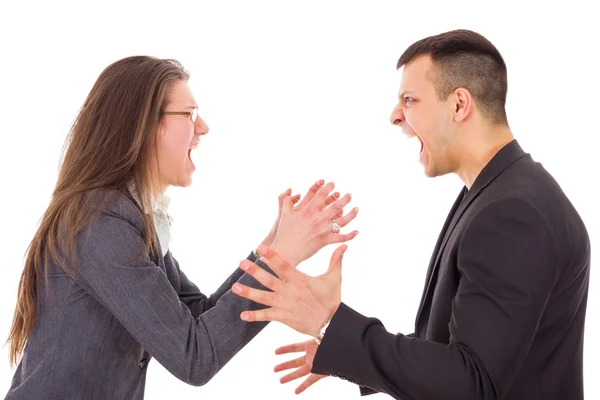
<point>293,92</point>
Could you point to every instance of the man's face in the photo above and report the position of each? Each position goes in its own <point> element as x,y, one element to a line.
<point>421,114</point>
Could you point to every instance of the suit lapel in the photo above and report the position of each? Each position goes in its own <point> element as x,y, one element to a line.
<point>505,157</point>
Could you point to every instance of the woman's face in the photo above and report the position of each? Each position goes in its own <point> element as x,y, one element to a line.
<point>178,136</point>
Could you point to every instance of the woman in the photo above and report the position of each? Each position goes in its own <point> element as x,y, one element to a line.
<point>100,293</point>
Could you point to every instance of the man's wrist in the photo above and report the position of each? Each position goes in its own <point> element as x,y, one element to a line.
<point>333,309</point>
<point>331,312</point>
<point>319,337</point>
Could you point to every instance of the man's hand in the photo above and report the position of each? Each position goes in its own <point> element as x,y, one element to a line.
<point>303,364</point>
<point>302,302</point>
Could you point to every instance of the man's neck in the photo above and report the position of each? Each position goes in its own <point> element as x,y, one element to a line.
<point>478,150</point>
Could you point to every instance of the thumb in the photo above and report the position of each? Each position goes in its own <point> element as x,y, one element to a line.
<point>283,196</point>
<point>287,204</point>
<point>335,265</point>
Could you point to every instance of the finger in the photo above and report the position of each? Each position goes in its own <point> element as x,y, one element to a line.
<point>281,267</point>
<point>290,348</point>
<point>335,265</point>
<point>283,195</point>
<point>337,216</point>
<point>295,198</point>
<point>340,238</point>
<point>311,193</point>
<point>346,219</point>
<point>287,205</point>
<point>258,296</point>
<point>336,207</point>
<point>332,198</point>
<point>296,363</point>
<point>265,278</point>
<point>267,314</point>
<point>313,378</point>
<point>318,201</point>
<point>299,373</point>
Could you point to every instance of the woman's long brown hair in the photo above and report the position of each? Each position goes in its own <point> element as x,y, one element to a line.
<point>111,145</point>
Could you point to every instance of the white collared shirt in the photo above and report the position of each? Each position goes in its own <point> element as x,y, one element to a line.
<point>163,226</point>
<point>161,219</point>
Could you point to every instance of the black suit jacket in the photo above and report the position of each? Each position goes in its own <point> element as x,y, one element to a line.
<point>503,309</point>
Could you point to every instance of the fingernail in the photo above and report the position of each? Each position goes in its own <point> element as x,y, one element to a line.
<point>262,250</point>
<point>237,288</point>
<point>320,182</point>
<point>244,315</point>
<point>244,266</point>
<point>356,210</point>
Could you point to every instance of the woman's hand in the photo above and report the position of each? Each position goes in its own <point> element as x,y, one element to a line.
<point>307,227</point>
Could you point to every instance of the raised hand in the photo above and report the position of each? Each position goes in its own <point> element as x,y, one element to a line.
<point>311,224</point>
<point>300,301</point>
<point>294,199</point>
<point>302,364</point>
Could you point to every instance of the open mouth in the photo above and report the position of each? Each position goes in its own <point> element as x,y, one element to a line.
<point>194,147</point>
<point>422,146</point>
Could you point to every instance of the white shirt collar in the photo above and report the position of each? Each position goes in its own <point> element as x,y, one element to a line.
<point>161,218</point>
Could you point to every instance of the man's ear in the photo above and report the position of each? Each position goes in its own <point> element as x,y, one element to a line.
<point>462,103</point>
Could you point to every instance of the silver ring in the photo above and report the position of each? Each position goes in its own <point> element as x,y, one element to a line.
<point>335,228</point>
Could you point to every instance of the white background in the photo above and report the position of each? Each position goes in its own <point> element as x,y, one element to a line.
<point>293,92</point>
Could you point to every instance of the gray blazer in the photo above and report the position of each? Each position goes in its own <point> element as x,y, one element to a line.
<point>96,333</point>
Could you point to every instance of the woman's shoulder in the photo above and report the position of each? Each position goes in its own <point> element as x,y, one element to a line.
<point>115,204</point>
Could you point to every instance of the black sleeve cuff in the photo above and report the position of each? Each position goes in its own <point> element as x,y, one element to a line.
<point>341,353</point>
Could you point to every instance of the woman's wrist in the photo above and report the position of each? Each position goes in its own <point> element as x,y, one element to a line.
<point>284,253</point>
<point>268,241</point>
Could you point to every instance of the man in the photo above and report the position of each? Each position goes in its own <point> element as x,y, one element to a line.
<point>503,308</point>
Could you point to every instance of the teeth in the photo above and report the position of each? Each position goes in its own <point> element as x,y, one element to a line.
<point>194,147</point>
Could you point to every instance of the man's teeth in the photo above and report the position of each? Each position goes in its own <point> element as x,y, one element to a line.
<point>194,147</point>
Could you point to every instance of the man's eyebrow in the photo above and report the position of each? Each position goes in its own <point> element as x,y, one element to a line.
<point>404,93</point>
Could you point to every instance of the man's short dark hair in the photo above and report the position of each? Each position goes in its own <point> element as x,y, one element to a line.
<point>465,59</point>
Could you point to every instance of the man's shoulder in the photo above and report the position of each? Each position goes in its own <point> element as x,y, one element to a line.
<point>528,181</point>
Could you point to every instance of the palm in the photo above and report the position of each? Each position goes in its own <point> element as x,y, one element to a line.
<point>327,289</point>
<point>310,347</point>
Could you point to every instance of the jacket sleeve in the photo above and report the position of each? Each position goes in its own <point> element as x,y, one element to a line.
<point>113,270</point>
<point>197,301</point>
<point>507,262</point>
